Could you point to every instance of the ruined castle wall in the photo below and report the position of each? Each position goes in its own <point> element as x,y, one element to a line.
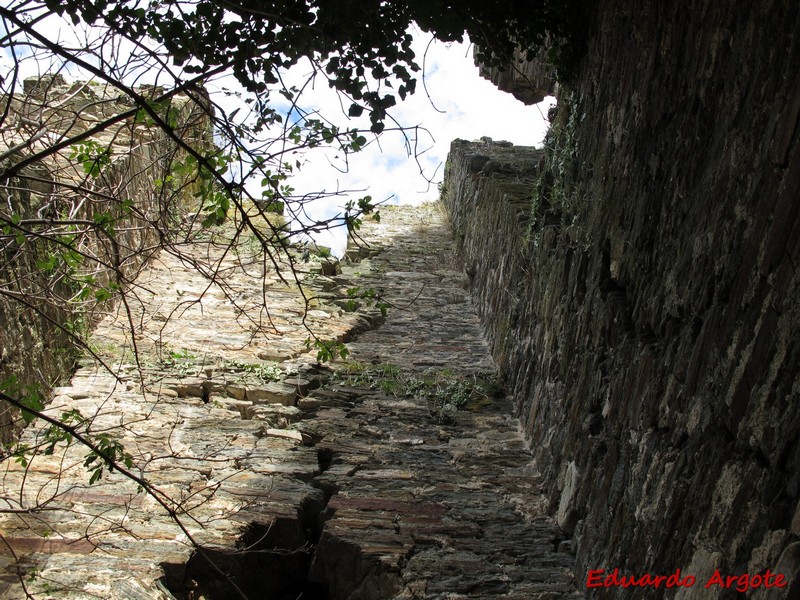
<point>529,81</point>
<point>641,292</point>
<point>42,313</point>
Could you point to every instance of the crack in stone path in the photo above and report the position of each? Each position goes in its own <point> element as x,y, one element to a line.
<point>399,473</point>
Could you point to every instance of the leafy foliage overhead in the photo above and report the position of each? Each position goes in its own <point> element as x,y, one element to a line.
<point>352,41</point>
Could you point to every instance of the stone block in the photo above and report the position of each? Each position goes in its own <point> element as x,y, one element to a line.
<point>272,393</point>
<point>788,566</point>
<point>237,391</point>
<point>567,515</point>
<point>289,434</point>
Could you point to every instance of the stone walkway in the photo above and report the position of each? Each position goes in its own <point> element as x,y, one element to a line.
<point>398,473</point>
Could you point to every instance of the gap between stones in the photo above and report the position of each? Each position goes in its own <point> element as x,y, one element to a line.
<point>275,555</point>
<point>276,558</point>
<point>371,490</point>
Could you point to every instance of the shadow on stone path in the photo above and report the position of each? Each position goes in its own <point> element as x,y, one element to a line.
<point>431,502</point>
<point>398,474</point>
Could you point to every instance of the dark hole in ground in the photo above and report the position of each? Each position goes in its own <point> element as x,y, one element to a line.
<point>272,563</point>
<point>324,458</point>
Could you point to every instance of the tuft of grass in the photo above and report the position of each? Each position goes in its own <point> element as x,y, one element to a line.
<point>264,371</point>
<point>445,389</point>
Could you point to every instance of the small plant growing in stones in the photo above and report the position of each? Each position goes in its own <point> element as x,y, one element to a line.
<point>180,362</point>
<point>369,296</point>
<point>263,371</point>
<point>445,390</point>
<point>327,350</point>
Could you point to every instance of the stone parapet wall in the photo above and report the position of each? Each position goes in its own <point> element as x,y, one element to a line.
<point>397,473</point>
<point>39,309</point>
<point>644,304</point>
<point>487,192</point>
<point>529,81</point>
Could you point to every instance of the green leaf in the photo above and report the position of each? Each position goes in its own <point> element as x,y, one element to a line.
<point>102,295</point>
<point>28,395</point>
<point>102,218</point>
<point>34,404</point>
<point>47,264</point>
<point>9,384</point>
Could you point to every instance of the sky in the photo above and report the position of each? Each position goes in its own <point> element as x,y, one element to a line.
<point>461,105</point>
<point>454,102</point>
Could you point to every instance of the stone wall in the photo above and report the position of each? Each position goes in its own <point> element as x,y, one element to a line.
<point>38,328</point>
<point>398,473</point>
<point>528,81</point>
<point>641,294</point>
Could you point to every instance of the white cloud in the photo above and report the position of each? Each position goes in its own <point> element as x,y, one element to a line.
<point>461,105</point>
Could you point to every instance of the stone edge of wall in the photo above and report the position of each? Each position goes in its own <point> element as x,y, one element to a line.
<point>590,396</point>
<point>34,345</point>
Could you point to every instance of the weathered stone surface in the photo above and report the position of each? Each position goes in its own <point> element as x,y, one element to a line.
<point>398,477</point>
<point>34,345</point>
<point>275,393</point>
<point>642,295</point>
<point>428,505</point>
<point>529,81</point>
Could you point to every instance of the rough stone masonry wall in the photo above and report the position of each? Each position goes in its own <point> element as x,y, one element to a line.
<point>34,344</point>
<point>642,297</point>
<point>398,473</point>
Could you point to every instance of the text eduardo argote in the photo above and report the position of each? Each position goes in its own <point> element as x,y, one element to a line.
<point>600,578</point>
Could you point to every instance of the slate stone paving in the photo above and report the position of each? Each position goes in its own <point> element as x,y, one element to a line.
<point>397,473</point>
